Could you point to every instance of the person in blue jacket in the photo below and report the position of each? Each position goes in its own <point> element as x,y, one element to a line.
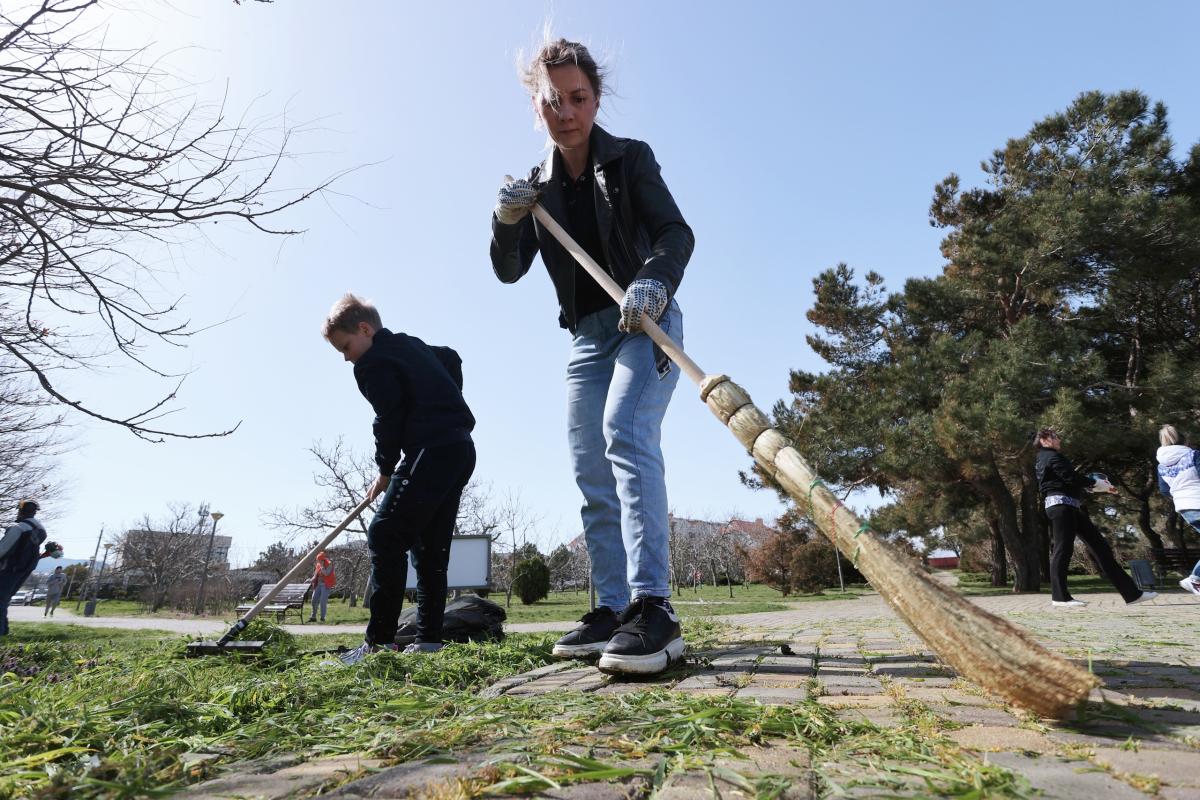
<point>1179,479</point>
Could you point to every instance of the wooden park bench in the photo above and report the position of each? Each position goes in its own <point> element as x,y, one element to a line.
<point>1172,559</point>
<point>290,598</point>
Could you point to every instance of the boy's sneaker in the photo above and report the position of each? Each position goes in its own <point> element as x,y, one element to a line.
<point>423,647</point>
<point>647,642</point>
<point>352,657</point>
<point>1189,584</point>
<point>1145,596</point>
<point>589,639</point>
<point>1068,603</point>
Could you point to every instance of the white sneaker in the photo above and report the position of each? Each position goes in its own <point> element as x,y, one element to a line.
<point>1189,584</point>
<point>423,647</point>
<point>1068,603</point>
<point>1146,596</point>
<point>352,657</point>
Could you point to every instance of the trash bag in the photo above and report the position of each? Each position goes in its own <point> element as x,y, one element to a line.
<point>468,619</point>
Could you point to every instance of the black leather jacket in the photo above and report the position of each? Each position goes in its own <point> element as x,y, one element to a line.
<point>641,229</point>
<point>1056,475</point>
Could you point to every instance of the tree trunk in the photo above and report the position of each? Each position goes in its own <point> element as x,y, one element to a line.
<point>1156,541</point>
<point>999,558</point>
<point>1176,531</point>
<point>1033,518</point>
<point>1024,553</point>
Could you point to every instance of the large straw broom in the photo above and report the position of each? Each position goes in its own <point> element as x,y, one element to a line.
<point>982,647</point>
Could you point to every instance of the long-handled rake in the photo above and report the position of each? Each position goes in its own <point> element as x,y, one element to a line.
<point>226,644</point>
<point>982,647</point>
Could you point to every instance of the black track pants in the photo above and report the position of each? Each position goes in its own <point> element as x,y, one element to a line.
<point>1067,522</point>
<point>416,516</point>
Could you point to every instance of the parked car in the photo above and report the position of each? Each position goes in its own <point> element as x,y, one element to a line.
<point>27,597</point>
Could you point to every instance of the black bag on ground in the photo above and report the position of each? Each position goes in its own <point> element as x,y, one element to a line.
<point>468,619</point>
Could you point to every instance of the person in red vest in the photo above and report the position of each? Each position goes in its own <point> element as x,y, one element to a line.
<point>323,581</point>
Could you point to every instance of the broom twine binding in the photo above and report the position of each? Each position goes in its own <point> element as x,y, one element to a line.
<point>982,647</point>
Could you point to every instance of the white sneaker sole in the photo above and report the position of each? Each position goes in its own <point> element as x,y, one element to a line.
<point>1145,598</point>
<point>650,664</point>
<point>1188,585</point>
<point>578,650</point>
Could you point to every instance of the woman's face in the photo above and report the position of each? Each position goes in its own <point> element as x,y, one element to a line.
<point>570,113</point>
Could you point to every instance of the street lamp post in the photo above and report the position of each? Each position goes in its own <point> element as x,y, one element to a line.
<point>91,570</point>
<point>216,517</point>
<point>90,608</point>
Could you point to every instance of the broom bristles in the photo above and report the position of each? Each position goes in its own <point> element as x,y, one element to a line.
<point>984,648</point>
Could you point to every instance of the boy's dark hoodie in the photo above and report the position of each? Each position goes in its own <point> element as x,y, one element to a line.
<point>416,392</point>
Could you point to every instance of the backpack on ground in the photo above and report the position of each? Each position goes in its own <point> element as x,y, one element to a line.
<point>468,619</point>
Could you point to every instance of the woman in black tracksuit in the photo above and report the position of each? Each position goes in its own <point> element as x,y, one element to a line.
<point>1062,489</point>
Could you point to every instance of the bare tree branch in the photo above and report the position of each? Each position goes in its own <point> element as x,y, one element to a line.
<point>102,157</point>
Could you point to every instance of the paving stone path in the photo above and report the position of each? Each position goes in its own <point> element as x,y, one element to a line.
<point>1138,736</point>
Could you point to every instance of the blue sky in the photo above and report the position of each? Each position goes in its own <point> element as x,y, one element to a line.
<point>793,136</point>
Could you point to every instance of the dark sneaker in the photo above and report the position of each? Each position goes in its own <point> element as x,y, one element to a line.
<point>589,638</point>
<point>647,642</point>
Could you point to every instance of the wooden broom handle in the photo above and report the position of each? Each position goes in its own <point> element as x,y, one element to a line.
<point>649,326</point>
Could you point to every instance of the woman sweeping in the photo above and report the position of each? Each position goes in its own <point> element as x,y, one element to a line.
<point>609,194</point>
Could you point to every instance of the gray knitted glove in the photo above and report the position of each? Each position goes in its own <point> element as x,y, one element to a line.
<point>514,200</point>
<point>645,296</point>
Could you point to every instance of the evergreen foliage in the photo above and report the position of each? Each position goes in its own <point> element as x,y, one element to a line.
<point>531,580</point>
<point>1069,297</point>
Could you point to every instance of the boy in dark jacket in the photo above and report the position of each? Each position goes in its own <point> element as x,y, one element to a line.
<point>425,455</point>
<point>1062,492</point>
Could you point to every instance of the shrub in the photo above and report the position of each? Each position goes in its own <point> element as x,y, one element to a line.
<point>531,580</point>
<point>814,567</point>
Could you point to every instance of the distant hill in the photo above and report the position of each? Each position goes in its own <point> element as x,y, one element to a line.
<point>47,565</point>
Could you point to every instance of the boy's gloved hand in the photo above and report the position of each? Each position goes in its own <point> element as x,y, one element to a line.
<point>644,296</point>
<point>514,200</point>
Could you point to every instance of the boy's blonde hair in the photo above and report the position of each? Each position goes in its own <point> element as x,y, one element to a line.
<point>348,312</point>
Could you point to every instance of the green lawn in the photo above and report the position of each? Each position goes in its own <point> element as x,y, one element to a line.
<point>704,601</point>
<point>978,584</point>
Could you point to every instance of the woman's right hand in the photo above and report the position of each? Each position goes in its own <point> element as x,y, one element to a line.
<point>515,200</point>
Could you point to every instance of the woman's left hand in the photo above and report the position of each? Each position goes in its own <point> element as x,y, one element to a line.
<point>644,296</point>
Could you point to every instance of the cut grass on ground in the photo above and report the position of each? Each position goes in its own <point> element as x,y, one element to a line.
<point>89,713</point>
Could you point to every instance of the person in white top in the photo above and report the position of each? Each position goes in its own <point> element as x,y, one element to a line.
<point>1179,479</point>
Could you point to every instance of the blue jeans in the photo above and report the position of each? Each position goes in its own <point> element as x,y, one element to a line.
<point>1192,517</point>
<point>615,407</point>
<point>320,599</point>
